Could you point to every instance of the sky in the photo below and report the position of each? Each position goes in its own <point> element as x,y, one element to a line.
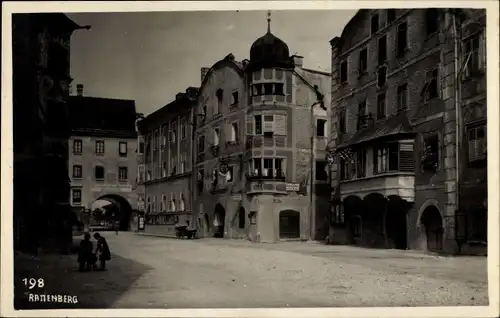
<point>151,56</point>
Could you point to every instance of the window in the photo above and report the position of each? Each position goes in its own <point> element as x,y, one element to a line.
<point>363,60</point>
<point>200,183</point>
<point>235,99</point>
<point>278,89</point>
<point>164,135</point>
<point>141,173</point>
<point>270,168</point>
<point>164,170</point>
<point>321,127</point>
<point>220,96</point>
<point>347,168</point>
<point>472,52</point>
<point>258,125</point>
<point>174,166</point>
<point>432,90</point>
<point>148,175</point>
<point>183,129</point>
<point>431,20</point>
<point>257,166</point>
<point>476,137</point>
<point>391,15</point>
<point>382,50</point>
<point>361,163</point>
<point>381,76</point>
<point>241,218</point>
<point>385,158</point>
<point>77,171</point>
<point>268,89</point>
<point>141,147</point>
<point>361,114</point>
<point>402,102</point>
<point>216,136</point>
<point>381,106</point>
<point>430,153</point>
<point>99,147</point>
<point>122,173</point>
<point>257,90</point>
<point>374,23</point>
<point>76,195</point>
<point>122,149</point>
<point>99,173</point>
<point>201,144</point>
<point>321,173</point>
<point>234,132</point>
<point>173,132</point>
<point>183,165</point>
<point>402,38</point>
<point>342,121</point>
<point>156,139</point>
<point>343,72</point>
<point>77,146</point>
<point>279,171</point>
<point>230,175</point>
<point>268,125</point>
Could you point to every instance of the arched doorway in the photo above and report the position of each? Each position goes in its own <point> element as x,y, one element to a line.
<point>433,224</point>
<point>119,211</point>
<point>395,222</point>
<point>241,218</point>
<point>219,221</point>
<point>353,207</point>
<point>289,224</point>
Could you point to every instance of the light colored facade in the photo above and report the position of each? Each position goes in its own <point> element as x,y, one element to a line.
<point>165,163</point>
<point>394,129</point>
<point>256,118</point>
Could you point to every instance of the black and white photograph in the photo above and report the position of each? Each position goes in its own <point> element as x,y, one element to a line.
<point>250,159</point>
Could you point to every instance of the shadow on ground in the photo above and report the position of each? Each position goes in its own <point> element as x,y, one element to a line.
<point>97,289</point>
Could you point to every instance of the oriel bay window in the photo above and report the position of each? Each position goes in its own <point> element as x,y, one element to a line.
<point>267,168</point>
<point>270,125</point>
<point>393,157</point>
<point>268,89</point>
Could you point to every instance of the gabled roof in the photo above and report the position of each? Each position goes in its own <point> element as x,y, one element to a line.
<point>396,125</point>
<point>106,117</point>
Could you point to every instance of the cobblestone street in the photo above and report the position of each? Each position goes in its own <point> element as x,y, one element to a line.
<point>153,272</point>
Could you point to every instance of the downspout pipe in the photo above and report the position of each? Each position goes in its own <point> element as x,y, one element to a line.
<point>458,114</point>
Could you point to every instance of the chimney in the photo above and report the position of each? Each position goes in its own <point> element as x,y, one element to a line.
<point>204,71</point>
<point>79,90</point>
<point>297,60</point>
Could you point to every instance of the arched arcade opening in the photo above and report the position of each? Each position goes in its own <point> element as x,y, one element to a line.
<point>219,221</point>
<point>117,212</point>
<point>432,223</point>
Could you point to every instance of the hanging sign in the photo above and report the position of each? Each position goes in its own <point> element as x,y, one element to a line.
<point>223,168</point>
<point>141,223</point>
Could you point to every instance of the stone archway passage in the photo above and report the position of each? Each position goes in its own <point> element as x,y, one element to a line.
<point>219,221</point>
<point>289,224</point>
<point>396,223</point>
<point>433,224</point>
<point>123,211</point>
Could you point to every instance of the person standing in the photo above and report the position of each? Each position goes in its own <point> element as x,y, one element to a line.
<point>117,226</point>
<point>102,250</point>
<point>85,254</point>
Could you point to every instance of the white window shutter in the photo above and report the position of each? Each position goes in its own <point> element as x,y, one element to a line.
<point>268,123</point>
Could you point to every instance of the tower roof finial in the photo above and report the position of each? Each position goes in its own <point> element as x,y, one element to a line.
<point>269,21</point>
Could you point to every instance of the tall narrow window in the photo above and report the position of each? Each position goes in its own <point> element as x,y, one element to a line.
<point>477,143</point>
<point>342,120</point>
<point>99,147</point>
<point>122,149</point>
<point>382,50</point>
<point>235,98</point>
<point>361,163</point>
<point>77,171</point>
<point>173,132</point>
<point>141,147</point>
<point>279,171</point>
<point>220,97</point>
<point>77,146</point>
<point>76,196</point>
<point>258,125</point>
<point>381,76</point>
<point>402,97</point>
<point>234,132</point>
<point>381,106</point>
<point>183,129</point>
<point>402,39</point>
<point>257,166</point>
<point>431,20</point>
<point>99,173</point>
<point>363,60</point>
<point>361,114</point>
<point>432,84</point>
<point>230,174</point>
<point>268,167</point>
<point>374,23</point>
<point>321,127</point>
<point>430,153</point>
<point>343,72</point>
<point>472,55</point>
<point>122,173</point>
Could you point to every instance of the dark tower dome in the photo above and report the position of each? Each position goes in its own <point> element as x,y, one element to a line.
<point>269,51</point>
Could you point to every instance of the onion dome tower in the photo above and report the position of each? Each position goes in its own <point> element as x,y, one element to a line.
<point>269,51</point>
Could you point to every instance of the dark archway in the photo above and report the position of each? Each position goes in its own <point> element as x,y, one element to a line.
<point>353,207</point>
<point>433,224</point>
<point>241,218</point>
<point>289,224</point>
<point>219,221</point>
<point>396,223</point>
<point>123,211</point>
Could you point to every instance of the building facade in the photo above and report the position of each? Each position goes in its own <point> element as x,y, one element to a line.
<point>41,79</point>
<point>103,155</point>
<point>165,161</point>
<point>260,139</point>
<point>395,118</point>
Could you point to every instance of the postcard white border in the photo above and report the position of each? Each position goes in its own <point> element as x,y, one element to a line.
<point>492,31</point>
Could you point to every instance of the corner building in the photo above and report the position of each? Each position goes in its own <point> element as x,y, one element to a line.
<point>394,129</point>
<point>254,117</point>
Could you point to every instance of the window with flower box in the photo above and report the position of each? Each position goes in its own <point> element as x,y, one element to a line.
<point>430,153</point>
<point>476,138</point>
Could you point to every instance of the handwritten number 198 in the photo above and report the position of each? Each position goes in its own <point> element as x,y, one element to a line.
<point>32,282</point>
